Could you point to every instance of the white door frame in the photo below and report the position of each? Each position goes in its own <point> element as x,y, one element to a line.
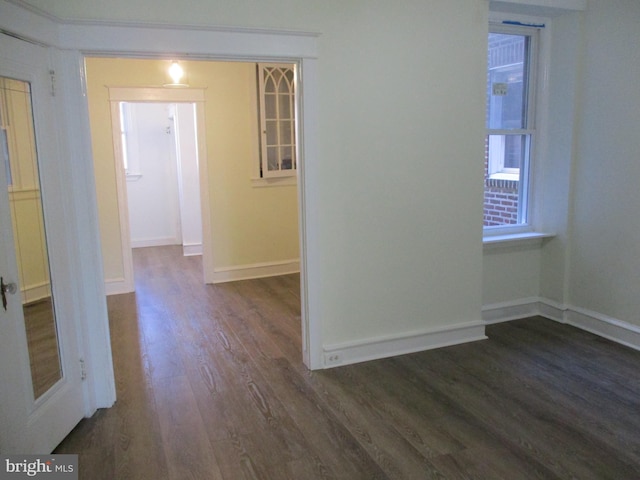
<point>159,95</point>
<point>245,45</point>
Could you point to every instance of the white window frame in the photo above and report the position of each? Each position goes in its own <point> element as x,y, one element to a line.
<point>129,142</point>
<point>265,173</point>
<point>496,168</point>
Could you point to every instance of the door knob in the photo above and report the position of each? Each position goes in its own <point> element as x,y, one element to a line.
<point>5,288</point>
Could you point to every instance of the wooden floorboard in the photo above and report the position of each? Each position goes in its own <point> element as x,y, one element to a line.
<point>211,385</point>
<point>42,342</point>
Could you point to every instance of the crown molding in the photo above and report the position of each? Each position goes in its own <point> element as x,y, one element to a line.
<point>157,25</point>
<point>539,8</point>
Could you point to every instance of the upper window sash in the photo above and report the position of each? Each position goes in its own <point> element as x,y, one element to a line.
<point>514,73</point>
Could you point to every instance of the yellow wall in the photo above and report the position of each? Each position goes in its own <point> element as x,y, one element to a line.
<point>249,224</point>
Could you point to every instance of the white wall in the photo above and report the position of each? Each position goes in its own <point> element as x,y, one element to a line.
<point>152,187</point>
<point>400,217</point>
<point>557,163</point>
<point>605,244</point>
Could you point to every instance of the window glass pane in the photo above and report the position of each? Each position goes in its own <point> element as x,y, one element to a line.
<point>5,155</point>
<point>285,133</point>
<point>506,87</point>
<point>514,151</point>
<point>506,153</point>
<point>272,132</point>
<point>270,106</point>
<point>289,75</point>
<point>124,128</point>
<point>272,158</point>
<point>269,82</point>
<point>287,158</point>
<point>505,162</point>
<point>286,84</point>
<point>284,106</point>
<point>4,144</point>
<point>277,78</point>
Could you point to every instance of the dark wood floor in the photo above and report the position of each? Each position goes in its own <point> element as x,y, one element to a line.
<point>211,386</point>
<point>42,342</point>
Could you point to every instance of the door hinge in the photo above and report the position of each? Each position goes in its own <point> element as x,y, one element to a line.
<point>52,76</point>
<point>83,370</point>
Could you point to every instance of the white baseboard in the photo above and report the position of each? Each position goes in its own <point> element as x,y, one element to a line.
<point>154,242</point>
<point>117,286</point>
<point>256,270</point>
<point>610,328</point>
<point>389,346</point>
<point>191,249</point>
<point>506,311</point>
<point>552,310</point>
<point>613,329</point>
<point>33,293</point>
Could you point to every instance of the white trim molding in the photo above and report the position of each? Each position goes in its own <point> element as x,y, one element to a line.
<point>514,310</point>
<point>117,286</point>
<point>604,326</point>
<point>255,270</point>
<point>495,242</point>
<point>36,292</point>
<point>393,345</point>
<point>155,242</point>
<point>191,249</point>
<point>540,8</point>
<point>597,323</point>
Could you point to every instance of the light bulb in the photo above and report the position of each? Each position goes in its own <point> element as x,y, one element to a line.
<point>175,72</point>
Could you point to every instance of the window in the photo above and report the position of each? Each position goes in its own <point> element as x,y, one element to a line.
<point>510,125</point>
<point>4,138</point>
<point>276,96</point>
<point>125,126</point>
<point>129,140</point>
<point>5,153</point>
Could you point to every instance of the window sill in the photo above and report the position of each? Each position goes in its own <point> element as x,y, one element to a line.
<point>274,181</point>
<point>510,177</point>
<point>494,242</point>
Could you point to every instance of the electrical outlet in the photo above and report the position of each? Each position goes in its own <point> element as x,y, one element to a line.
<point>332,359</point>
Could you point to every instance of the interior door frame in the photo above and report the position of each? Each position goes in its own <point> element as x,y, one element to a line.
<point>242,45</point>
<point>159,95</point>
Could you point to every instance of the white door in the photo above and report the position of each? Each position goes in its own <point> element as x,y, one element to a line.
<point>41,389</point>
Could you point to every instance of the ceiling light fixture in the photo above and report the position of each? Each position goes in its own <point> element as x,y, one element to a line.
<point>176,73</point>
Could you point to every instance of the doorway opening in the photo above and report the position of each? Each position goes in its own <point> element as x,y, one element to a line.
<point>250,222</point>
<point>147,162</point>
<point>160,160</point>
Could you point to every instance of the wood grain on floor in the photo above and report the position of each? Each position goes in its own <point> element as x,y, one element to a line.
<point>211,385</point>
